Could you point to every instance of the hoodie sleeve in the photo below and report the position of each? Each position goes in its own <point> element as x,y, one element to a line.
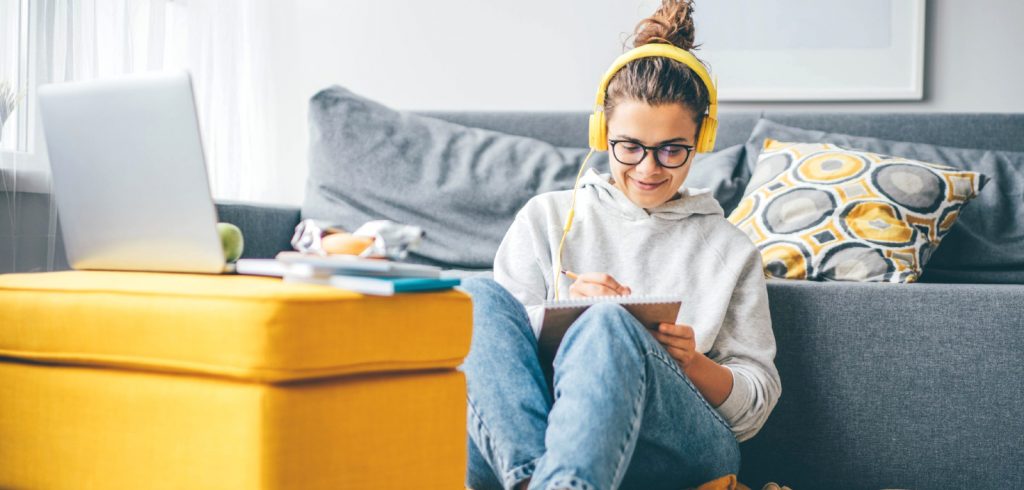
<point>519,265</point>
<point>746,345</point>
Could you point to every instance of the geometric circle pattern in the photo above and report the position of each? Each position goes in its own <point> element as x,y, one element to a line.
<point>786,259</point>
<point>821,212</point>
<point>912,186</point>
<point>798,209</point>
<point>829,167</point>
<point>877,222</point>
<point>770,168</point>
<point>854,261</point>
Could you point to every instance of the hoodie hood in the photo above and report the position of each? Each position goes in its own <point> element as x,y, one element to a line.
<point>598,186</point>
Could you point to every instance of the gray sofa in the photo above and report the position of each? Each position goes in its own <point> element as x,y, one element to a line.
<point>884,386</point>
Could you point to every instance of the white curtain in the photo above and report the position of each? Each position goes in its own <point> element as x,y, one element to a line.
<point>218,41</point>
<point>223,44</point>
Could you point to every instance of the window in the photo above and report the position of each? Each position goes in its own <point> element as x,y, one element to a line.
<point>222,43</point>
<point>13,70</point>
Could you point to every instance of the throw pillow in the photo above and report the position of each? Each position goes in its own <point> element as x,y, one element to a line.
<point>462,185</point>
<point>724,172</point>
<point>819,211</point>
<point>987,243</point>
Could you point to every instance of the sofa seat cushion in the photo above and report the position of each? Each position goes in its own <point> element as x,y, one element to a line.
<point>253,328</point>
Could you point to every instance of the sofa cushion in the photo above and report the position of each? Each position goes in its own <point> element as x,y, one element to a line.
<point>267,228</point>
<point>892,386</point>
<point>818,211</point>
<point>119,429</point>
<point>462,185</point>
<point>724,172</point>
<point>253,328</point>
<point>987,243</point>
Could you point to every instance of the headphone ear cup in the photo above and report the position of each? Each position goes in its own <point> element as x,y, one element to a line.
<point>598,132</point>
<point>706,139</point>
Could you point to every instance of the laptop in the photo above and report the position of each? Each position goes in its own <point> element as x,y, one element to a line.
<point>129,177</point>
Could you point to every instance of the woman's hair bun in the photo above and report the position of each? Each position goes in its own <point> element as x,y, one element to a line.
<point>672,23</point>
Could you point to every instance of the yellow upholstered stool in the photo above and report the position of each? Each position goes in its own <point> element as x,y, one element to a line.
<point>147,380</point>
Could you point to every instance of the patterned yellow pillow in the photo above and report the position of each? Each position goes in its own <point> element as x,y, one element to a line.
<point>818,211</point>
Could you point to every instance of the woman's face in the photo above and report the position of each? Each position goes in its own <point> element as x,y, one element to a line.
<point>649,125</point>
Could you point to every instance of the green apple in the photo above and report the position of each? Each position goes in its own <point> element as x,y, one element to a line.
<point>231,240</point>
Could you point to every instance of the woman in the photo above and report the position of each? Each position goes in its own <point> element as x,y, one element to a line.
<point>631,407</point>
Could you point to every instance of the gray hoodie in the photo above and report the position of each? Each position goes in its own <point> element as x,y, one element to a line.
<point>683,247</point>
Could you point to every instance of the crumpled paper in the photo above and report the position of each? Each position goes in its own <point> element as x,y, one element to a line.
<point>392,241</point>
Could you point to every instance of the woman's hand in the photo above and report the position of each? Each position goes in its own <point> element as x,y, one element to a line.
<point>678,341</point>
<point>596,284</point>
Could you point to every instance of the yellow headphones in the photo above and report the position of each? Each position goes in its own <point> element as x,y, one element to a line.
<point>709,125</point>
<point>599,125</point>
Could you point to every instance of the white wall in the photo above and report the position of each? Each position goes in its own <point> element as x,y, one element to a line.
<point>974,62</point>
<point>548,55</point>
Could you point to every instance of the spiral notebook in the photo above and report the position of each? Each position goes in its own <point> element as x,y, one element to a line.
<point>559,315</point>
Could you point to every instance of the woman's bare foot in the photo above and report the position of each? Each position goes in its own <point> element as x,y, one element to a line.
<point>523,484</point>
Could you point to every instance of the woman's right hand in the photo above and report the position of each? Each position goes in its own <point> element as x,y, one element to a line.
<point>596,284</point>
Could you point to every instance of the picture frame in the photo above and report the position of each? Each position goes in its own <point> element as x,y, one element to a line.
<point>802,50</point>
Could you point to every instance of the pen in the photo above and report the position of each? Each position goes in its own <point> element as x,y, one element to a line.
<point>574,276</point>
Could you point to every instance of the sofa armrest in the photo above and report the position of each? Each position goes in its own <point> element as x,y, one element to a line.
<point>267,228</point>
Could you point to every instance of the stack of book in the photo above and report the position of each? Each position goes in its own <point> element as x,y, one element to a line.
<point>367,276</point>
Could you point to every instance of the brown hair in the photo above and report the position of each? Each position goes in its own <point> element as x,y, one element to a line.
<point>658,80</point>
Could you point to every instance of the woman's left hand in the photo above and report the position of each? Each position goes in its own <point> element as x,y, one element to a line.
<point>679,341</point>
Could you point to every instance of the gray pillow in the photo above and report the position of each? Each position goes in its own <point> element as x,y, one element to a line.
<point>462,185</point>
<point>724,172</point>
<point>986,245</point>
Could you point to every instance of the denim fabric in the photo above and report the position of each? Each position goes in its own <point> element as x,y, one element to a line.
<point>623,413</point>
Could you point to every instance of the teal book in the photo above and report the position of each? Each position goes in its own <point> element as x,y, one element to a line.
<point>382,286</point>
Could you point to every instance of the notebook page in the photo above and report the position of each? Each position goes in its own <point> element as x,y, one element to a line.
<point>559,315</point>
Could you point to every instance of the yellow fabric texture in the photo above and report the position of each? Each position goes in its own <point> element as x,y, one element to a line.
<point>246,327</point>
<point>727,482</point>
<point>148,380</point>
<point>70,427</point>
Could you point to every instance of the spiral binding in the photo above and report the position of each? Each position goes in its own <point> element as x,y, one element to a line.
<point>617,299</point>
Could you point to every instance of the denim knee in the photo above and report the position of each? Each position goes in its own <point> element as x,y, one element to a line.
<point>609,321</point>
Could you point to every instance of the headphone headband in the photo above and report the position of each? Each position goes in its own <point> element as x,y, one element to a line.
<point>709,125</point>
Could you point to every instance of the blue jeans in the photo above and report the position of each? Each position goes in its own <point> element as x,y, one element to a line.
<point>623,413</point>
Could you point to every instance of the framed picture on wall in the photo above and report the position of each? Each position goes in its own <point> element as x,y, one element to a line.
<point>814,50</point>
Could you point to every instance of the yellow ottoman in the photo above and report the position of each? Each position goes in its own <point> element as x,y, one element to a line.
<point>148,380</point>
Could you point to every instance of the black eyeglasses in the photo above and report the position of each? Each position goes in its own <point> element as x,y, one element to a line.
<point>632,153</point>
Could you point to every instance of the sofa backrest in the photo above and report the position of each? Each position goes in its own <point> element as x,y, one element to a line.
<point>992,131</point>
